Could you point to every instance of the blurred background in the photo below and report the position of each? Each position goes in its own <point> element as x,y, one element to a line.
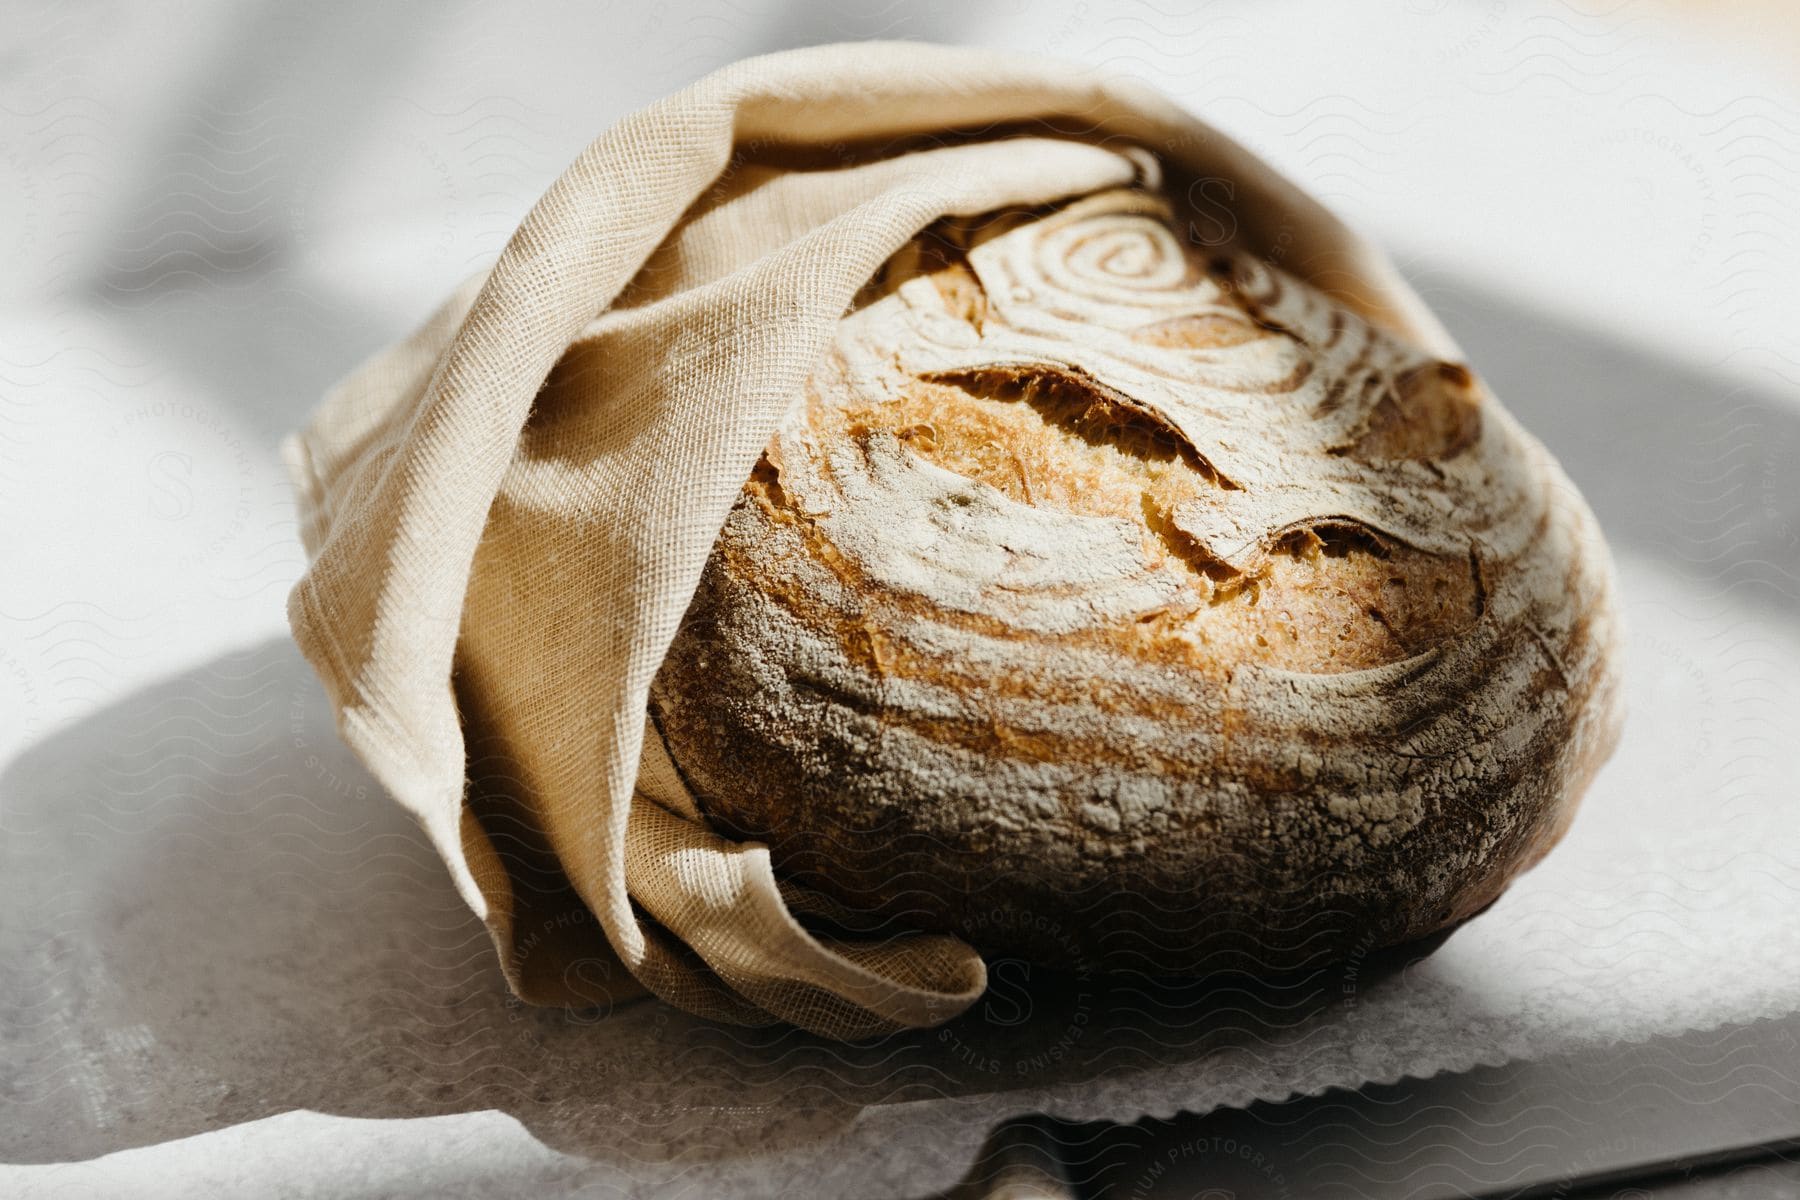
<point>221,952</point>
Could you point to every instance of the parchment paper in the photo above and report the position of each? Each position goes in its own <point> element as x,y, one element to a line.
<point>339,972</point>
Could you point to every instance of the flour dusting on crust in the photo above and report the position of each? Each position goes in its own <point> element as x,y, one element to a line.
<point>1108,576</point>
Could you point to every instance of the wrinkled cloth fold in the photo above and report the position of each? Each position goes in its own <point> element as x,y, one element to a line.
<point>508,512</point>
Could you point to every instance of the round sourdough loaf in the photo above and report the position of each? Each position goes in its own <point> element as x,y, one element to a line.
<point>1111,600</point>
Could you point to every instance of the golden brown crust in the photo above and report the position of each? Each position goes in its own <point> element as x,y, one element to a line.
<point>1145,591</point>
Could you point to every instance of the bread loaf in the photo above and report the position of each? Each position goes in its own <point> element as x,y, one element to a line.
<point>1132,585</point>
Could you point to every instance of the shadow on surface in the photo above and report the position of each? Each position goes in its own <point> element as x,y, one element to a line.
<point>1700,472</point>
<point>215,916</point>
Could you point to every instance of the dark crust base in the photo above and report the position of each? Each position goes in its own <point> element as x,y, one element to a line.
<point>1211,899</point>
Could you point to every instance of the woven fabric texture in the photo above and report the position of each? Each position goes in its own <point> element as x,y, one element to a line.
<point>508,512</point>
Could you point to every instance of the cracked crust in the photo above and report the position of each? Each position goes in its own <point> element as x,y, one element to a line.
<point>1148,591</point>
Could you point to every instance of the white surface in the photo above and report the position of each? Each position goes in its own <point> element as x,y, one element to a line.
<point>210,917</point>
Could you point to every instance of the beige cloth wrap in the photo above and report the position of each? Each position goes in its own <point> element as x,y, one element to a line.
<point>509,511</point>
